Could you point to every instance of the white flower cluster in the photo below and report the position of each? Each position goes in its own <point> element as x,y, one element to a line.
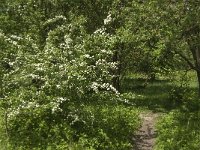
<point>15,40</point>
<point>96,86</point>
<point>12,41</point>
<point>16,37</point>
<point>67,42</point>
<point>31,41</point>
<point>56,104</point>
<point>101,62</point>
<point>34,76</point>
<point>68,39</point>
<point>13,112</point>
<point>109,87</point>
<point>108,19</point>
<point>75,117</point>
<point>39,66</point>
<point>113,65</point>
<point>55,107</point>
<point>101,31</point>
<point>106,51</point>
<point>88,56</point>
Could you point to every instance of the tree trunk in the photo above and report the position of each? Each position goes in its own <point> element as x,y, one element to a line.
<point>196,56</point>
<point>198,80</point>
<point>198,68</point>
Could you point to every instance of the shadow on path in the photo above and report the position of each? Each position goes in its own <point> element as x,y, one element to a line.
<point>144,139</point>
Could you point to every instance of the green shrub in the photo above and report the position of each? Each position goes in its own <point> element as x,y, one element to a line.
<point>47,93</point>
<point>90,127</point>
<point>179,130</point>
<point>112,127</point>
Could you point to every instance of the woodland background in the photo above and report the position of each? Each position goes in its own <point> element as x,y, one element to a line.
<point>76,74</point>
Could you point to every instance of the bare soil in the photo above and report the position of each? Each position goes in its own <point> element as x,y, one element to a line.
<point>145,137</point>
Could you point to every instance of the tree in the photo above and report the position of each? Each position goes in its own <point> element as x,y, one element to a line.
<point>184,28</point>
<point>163,33</point>
<point>49,71</point>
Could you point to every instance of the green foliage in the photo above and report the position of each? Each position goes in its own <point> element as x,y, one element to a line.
<point>96,127</point>
<point>57,93</point>
<point>183,92</point>
<point>60,62</point>
<point>179,130</point>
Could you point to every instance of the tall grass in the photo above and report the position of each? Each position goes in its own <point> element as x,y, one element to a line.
<point>156,94</point>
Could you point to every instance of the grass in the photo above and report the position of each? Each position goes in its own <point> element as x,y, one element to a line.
<point>178,128</point>
<point>3,135</point>
<point>156,95</point>
<point>153,97</point>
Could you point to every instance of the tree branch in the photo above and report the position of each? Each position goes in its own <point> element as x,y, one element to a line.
<point>192,66</point>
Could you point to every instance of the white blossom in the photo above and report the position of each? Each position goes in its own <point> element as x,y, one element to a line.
<point>95,86</point>
<point>108,19</point>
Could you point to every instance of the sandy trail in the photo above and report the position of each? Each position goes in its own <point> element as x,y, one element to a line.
<point>145,137</point>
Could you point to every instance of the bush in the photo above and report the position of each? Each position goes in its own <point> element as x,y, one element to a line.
<point>179,131</point>
<point>112,127</point>
<point>184,99</point>
<point>47,92</point>
<point>94,127</point>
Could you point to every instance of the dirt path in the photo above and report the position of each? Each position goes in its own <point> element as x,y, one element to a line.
<point>145,137</point>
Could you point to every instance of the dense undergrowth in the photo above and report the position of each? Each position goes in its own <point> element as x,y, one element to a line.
<point>62,97</point>
<point>179,130</point>
<point>96,127</point>
<point>61,63</point>
<point>176,99</point>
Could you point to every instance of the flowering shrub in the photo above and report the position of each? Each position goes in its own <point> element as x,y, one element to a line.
<point>47,92</point>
